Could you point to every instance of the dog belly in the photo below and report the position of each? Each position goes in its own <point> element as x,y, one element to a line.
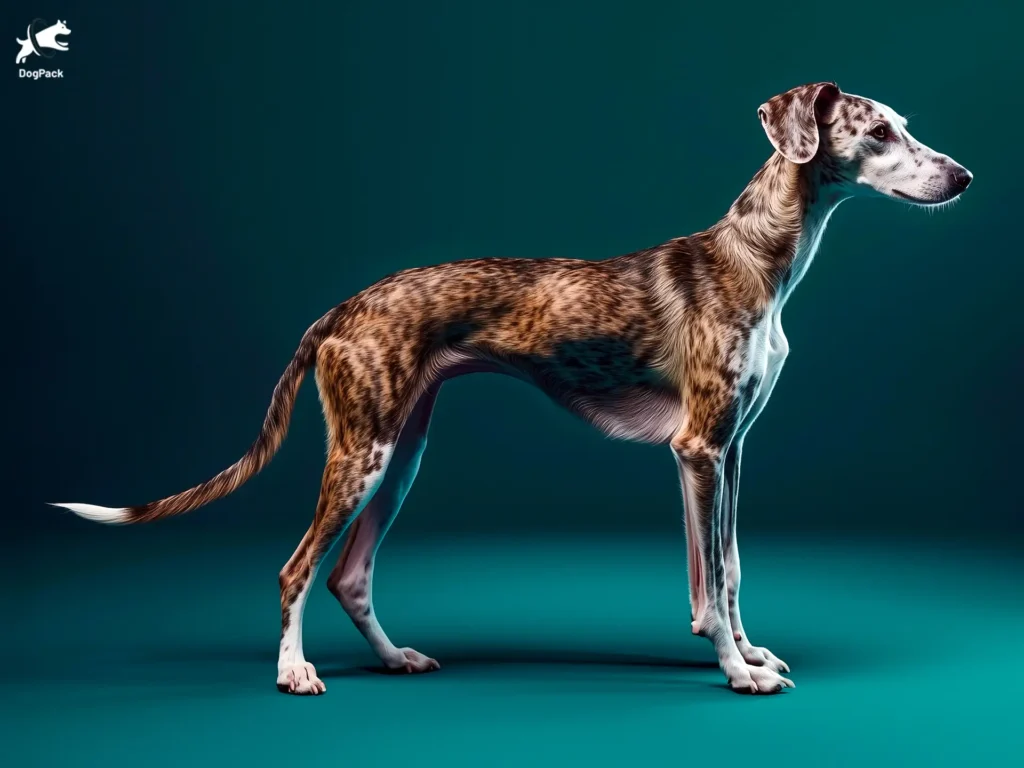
<point>646,413</point>
<point>642,415</point>
<point>619,394</point>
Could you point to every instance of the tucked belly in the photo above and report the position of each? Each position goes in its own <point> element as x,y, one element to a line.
<point>642,415</point>
<point>601,382</point>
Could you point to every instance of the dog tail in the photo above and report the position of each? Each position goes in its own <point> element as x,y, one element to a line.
<point>275,427</point>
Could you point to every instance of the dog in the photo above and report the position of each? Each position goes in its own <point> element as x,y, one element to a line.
<point>44,38</point>
<point>678,345</point>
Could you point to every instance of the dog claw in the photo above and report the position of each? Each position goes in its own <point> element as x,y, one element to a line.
<point>769,681</point>
<point>758,680</point>
<point>741,681</point>
<point>300,679</point>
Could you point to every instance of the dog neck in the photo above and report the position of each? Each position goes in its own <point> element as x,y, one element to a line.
<point>773,230</point>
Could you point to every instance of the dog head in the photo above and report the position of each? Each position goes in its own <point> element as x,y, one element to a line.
<point>859,145</point>
<point>48,37</point>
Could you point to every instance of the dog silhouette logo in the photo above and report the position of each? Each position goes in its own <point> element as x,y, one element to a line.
<point>42,40</point>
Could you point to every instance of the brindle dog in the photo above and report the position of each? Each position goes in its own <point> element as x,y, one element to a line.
<point>678,345</point>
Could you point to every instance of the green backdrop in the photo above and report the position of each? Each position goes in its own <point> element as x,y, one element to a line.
<point>209,178</point>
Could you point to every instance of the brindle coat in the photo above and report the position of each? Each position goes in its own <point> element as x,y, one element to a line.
<point>680,345</point>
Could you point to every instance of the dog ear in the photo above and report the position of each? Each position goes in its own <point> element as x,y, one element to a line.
<point>791,119</point>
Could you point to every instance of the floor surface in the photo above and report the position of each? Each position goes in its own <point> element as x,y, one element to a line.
<point>146,650</point>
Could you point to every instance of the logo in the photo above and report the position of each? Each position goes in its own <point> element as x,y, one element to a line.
<point>41,40</point>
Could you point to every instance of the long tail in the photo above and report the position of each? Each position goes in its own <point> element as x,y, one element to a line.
<point>275,427</point>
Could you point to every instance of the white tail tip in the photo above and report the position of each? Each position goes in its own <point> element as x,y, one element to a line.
<point>97,514</point>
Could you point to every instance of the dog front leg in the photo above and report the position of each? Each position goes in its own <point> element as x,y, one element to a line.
<point>751,654</point>
<point>701,471</point>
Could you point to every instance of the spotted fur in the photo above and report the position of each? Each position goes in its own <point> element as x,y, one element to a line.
<point>678,345</point>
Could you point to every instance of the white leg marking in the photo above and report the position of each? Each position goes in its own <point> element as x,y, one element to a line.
<point>294,673</point>
<point>711,618</point>
<point>778,349</point>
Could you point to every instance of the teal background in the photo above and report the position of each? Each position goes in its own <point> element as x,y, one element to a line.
<point>210,178</point>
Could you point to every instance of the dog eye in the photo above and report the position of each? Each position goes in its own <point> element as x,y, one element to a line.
<point>880,131</point>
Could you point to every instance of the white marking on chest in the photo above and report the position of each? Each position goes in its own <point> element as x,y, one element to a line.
<point>764,353</point>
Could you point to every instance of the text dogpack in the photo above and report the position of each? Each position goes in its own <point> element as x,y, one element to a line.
<point>37,74</point>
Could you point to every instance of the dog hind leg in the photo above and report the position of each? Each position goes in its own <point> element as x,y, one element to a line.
<point>351,581</point>
<point>349,481</point>
<point>359,449</point>
<point>295,674</point>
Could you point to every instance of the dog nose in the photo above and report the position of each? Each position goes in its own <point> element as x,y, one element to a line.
<point>962,178</point>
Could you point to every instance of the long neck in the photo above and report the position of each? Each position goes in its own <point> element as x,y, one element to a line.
<point>773,230</point>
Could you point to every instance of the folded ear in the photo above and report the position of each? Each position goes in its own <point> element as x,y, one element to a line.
<point>791,119</point>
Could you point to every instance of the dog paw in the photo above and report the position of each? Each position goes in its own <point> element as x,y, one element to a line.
<point>301,680</point>
<point>742,681</point>
<point>413,662</point>
<point>768,680</point>
<point>759,680</point>
<point>761,657</point>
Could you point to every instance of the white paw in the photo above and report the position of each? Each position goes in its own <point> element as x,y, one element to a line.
<point>761,657</point>
<point>301,680</point>
<point>413,662</point>
<point>741,681</point>
<point>768,680</point>
<point>761,680</point>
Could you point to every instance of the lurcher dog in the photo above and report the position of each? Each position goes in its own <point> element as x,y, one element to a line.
<point>676,345</point>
